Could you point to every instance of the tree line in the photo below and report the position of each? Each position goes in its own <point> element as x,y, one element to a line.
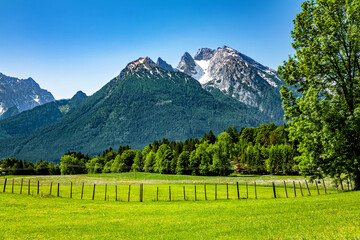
<point>260,150</point>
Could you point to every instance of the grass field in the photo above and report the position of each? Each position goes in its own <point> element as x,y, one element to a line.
<point>335,216</point>
<point>330,216</point>
<point>159,187</point>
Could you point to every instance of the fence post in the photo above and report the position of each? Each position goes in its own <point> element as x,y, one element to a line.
<point>307,187</point>
<point>205,191</point>
<point>195,191</point>
<point>105,191</point>
<point>184,193</point>
<point>157,193</point>
<point>5,185</point>
<point>82,191</point>
<point>351,187</point>
<point>273,185</point>
<point>301,189</point>
<point>29,188</point>
<point>129,193</point>
<point>58,190</point>
<point>285,189</point>
<point>70,189</point>
<point>50,188</point>
<point>347,181</point>
<point>21,185</point>
<point>215,191</point>
<point>255,190</point>
<point>227,191</point>
<point>170,193</point>
<point>237,188</point>
<point>324,185</point>
<point>115,192</point>
<point>12,188</point>
<point>38,186</point>
<point>247,191</point>
<point>317,187</point>
<point>93,196</point>
<point>141,192</point>
<point>294,188</point>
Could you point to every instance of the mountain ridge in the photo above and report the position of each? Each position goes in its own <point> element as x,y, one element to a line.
<point>238,76</point>
<point>23,94</point>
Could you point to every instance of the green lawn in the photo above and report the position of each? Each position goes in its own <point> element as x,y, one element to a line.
<point>156,186</point>
<point>332,216</point>
<point>142,177</point>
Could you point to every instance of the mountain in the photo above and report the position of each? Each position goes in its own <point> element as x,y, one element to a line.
<point>17,95</point>
<point>164,65</point>
<point>238,76</point>
<point>143,103</point>
<point>39,116</point>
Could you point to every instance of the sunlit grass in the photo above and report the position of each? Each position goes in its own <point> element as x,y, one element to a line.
<point>331,216</point>
<point>121,187</point>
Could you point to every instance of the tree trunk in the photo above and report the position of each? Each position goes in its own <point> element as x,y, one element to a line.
<point>357,179</point>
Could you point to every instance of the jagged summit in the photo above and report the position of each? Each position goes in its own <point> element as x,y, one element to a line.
<point>164,65</point>
<point>188,65</point>
<point>204,54</point>
<point>140,63</point>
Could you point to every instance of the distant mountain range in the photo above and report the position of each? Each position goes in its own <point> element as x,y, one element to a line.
<point>18,95</point>
<point>39,116</point>
<point>149,101</point>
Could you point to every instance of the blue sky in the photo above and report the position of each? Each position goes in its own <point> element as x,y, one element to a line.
<point>69,45</point>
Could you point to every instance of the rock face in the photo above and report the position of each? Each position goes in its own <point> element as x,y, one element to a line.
<point>18,95</point>
<point>164,65</point>
<point>238,76</point>
<point>143,103</point>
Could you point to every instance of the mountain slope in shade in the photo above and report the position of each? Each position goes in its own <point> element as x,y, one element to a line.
<point>144,103</point>
<point>238,76</point>
<point>23,94</point>
<point>39,116</point>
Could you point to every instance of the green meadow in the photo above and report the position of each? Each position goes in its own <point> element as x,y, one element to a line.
<point>31,216</point>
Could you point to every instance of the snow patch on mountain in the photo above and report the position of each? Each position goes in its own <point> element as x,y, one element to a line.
<point>204,67</point>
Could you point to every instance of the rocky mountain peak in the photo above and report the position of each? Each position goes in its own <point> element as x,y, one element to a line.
<point>164,65</point>
<point>204,54</point>
<point>140,63</point>
<point>187,65</point>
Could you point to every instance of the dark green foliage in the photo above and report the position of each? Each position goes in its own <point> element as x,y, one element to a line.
<point>182,166</point>
<point>150,162</point>
<point>325,69</point>
<point>13,166</point>
<point>138,164</point>
<point>264,149</point>
<point>71,164</point>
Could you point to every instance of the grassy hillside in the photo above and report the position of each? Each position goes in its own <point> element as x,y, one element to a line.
<point>335,216</point>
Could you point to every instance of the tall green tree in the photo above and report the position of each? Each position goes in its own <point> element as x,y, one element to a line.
<point>325,69</point>
<point>150,162</point>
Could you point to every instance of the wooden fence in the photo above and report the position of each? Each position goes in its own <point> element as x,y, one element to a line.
<point>172,192</point>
